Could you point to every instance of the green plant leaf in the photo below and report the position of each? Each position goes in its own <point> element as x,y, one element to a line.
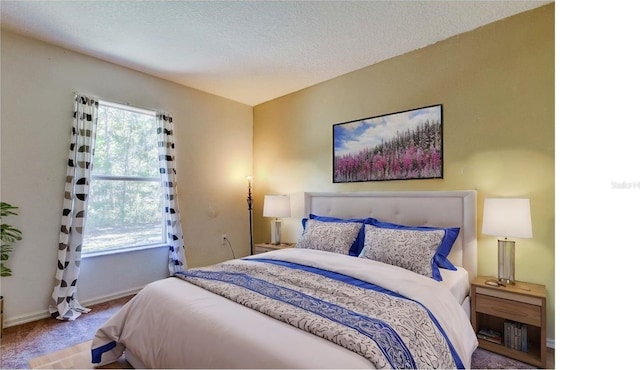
<point>9,235</point>
<point>5,271</point>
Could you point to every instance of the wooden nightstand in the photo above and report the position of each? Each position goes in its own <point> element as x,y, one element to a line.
<point>266,247</point>
<point>523,303</point>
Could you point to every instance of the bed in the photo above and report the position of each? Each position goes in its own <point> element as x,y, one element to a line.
<point>311,307</point>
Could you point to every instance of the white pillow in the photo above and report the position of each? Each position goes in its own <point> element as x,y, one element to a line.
<point>334,237</point>
<point>410,249</point>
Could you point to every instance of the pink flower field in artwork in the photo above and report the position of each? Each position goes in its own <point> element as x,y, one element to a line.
<point>415,153</point>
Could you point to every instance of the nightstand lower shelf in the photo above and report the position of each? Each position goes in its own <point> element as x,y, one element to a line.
<point>531,357</point>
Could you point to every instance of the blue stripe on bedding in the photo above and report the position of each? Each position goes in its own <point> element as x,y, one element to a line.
<point>96,353</point>
<point>389,342</point>
<point>362,284</point>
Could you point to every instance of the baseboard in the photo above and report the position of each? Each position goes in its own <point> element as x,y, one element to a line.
<point>23,319</point>
<point>110,297</point>
<point>551,343</point>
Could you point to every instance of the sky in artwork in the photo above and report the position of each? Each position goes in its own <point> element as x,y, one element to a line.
<point>352,137</point>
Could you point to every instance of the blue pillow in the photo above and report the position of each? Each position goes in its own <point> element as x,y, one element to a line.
<point>358,244</point>
<point>440,258</point>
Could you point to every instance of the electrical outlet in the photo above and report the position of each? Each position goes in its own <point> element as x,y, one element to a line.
<point>223,239</point>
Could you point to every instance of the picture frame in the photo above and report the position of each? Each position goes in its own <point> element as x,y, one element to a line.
<point>397,146</point>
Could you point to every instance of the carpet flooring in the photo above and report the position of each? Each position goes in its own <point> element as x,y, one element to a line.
<point>64,340</point>
<point>74,357</point>
<point>21,343</point>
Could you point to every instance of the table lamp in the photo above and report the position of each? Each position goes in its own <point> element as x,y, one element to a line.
<point>508,218</point>
<point>276,206</point>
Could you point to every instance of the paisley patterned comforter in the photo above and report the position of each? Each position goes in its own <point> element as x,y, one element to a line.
<point>386,328</point>
<point>384,314</point>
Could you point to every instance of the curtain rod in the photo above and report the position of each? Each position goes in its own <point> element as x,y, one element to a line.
<point>124,105</point>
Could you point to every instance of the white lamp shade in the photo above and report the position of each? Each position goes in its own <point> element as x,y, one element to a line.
<point>507,217</point>
<point>277,206</point>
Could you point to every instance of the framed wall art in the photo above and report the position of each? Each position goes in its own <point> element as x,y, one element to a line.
<point>397,146</point>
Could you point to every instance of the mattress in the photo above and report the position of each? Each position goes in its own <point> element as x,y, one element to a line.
<point>172,323</point>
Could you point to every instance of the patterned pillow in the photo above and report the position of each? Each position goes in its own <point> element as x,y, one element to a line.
<point>450,235</point>
<point>334,237</point>
<point>410,249</point>
<point>358,244</point>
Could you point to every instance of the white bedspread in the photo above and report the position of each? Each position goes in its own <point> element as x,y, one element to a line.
<point>174,324</point>
<point>457,282</point>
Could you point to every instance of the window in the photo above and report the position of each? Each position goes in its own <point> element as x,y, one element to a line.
<point>125,196</point>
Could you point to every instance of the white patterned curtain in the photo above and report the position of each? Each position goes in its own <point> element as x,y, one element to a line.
<point>65,305</point>
<point>166,151</point>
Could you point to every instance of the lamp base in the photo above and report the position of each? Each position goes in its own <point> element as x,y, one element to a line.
<point>506,262</point>
<point>275,232</point>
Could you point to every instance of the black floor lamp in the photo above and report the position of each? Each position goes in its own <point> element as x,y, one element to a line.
<point>250,206</point>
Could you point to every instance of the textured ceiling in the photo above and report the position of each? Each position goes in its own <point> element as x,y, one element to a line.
<point>249,51</point>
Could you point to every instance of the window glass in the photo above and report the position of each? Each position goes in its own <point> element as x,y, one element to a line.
<point>125,194</point>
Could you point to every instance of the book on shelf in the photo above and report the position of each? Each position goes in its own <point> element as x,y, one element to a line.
<point>490,335</point>
<point>515,335</point>
<point>507,334</point>
<point>525,347</point>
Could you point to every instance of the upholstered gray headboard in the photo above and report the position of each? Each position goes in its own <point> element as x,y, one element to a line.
<point>422,208</point>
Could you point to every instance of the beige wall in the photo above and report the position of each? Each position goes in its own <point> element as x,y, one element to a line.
<point>214,156</point>
<point>496,84</point>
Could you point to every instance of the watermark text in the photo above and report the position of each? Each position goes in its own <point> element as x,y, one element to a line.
<point>625,185</point>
